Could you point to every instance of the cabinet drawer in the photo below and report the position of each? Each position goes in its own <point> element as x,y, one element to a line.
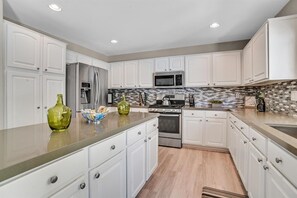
<point>48,179</point>
<point>259,141</point>
<point>232,118</point>
<point>216,114</point>
<point>135,134</point>
<point>151,126</point>
<point>193,113</point>
<point>285,162</point>
<point>102,151</point>
<point>244,128</point>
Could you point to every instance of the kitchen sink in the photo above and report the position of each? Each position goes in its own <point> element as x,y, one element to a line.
<point>290,130</point>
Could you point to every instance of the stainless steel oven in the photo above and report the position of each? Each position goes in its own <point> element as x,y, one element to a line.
<point>170,125</point>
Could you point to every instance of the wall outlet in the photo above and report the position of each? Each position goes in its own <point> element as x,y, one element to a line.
<point>237,95</point>
<point>294,95</point>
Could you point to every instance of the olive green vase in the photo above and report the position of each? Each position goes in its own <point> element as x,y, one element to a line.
<point>123,106</point>
<point>59,116</point>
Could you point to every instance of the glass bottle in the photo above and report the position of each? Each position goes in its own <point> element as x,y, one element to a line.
<point>123,106</point>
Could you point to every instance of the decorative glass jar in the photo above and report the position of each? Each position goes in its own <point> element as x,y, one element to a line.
<point>123,106</point>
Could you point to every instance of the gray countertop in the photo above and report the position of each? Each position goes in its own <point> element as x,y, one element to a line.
<point>25,148</point>
<point>207,108</point>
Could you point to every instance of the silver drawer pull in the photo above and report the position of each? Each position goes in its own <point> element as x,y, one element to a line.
<point>260,160</point>
<point>254,139</point>
<point>139,132</point>
<point>97,175</point>
<point>54,179</point>
<point>265,167</point>
<point>112,147</point>
<point>82,185</point>
<point>278,160</point>
<point>216,115</point>
<point>244,142</point>
<point>192,113</point>
<point>234,121</point>
<point>241,128</point>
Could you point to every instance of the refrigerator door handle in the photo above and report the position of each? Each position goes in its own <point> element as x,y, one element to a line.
<point>99,88</point>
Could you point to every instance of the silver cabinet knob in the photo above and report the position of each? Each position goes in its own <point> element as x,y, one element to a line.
<point>149,138</point>
<point>200,120</point>
<point>135,85</point>
<point>192,113</point>
<point>235,121</point>
<point>38,107</point>
<point>145,140</point>
<point>278,160</point>
<point>45,70</point>
<point>45,107</point>
<point>244,142</point>
<point>207,83</point>
<point>82,185</point>
<point>241,128</point>
<point>139,133</point>
<point>154,125</point>
<point>254,139</point>
<point>54,179</point>
<point>265,167</point>
<point>206,120</point>
<point>97,175</point>
<point>260,160</point>
<point>38,68</point>
<point>112,147</point>
<point>214,83</point>
<point>215,115</point>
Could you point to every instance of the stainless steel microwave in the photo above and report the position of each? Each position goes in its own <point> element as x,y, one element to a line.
<point>169,79</point>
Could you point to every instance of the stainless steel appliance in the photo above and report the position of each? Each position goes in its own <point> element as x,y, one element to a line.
<point>169,79</point>
<point>86,87</point>
<point>170,125</point>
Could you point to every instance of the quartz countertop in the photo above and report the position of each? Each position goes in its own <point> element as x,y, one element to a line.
<point>207,108</point>
<point>260,121</point>
<point>131,106</point>
<point>25,148</point>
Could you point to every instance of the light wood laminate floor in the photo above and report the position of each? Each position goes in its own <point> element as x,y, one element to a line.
<point>182,173</point>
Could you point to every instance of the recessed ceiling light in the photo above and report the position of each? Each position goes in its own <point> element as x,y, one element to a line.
<point>55,7</point>
<point>114,41</point>
<point>214,25</point>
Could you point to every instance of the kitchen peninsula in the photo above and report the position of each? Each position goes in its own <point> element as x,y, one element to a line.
<point>62,162</point>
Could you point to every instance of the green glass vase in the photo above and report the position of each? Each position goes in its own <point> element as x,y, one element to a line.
<point>59,116</point>
<point>123,106</point>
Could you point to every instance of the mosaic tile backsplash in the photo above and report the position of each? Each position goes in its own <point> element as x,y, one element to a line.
<point>231,97</point>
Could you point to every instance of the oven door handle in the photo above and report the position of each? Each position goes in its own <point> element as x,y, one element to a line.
<point>170,115</point>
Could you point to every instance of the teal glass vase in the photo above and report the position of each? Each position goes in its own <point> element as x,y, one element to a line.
<point>123,106</point>
<point>59,116</point>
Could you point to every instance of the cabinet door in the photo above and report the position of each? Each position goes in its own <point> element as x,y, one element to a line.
<point>109,179</point>
<point>232,142</point>
<point>177,63</point>
<point>152,153</point>
<point>84,59</point>
<point>227,68</point>
<point>52,85</point>
<point>145,73</point>
<point>162,64</point>
<point>71,57</point>
<point>277,186</point>
<point>23,99</point>
<point>54,55</point>
<point>22,47</point>
<point>77,189</point>
<point>260,54</point>
<point>242,157</point>
<point>215,132</point>
<point>136,167</point>
<point>256,179</point>
<point>198,70</point>
<point>193,130</point>
<point>247,64</point>
<point>117,70</point>
<point>131,74</point>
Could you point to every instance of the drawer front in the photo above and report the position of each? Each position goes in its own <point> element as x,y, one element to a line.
<point>216,114</point>
<point>136,133</point>
<point>259,141</point>
<point>151,126</point>
<point>285,162</point>
<point>232,118</point>
<point>103,151</point>
<point>244,128</point>
<point>193,113</point>
<point>48,179</point>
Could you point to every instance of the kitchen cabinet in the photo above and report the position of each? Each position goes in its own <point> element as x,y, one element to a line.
<point>23,99</point>
<point>198,70</point>
<point>131,74</point>
<point>145,73</point>
<point>193,129</point>
<point>136,167</point>
<point>52,85</point>
<point>22,47</point>
<point>256,179</point>
<point>117,71</point>
<point>152,153</point>
<point>247,64</point>
<point>54,55</point>
<point>277,186</point>
<point>215,132</point>
<point>232,137</point>
<point>84,59</point>
<point>242,157</point>
<point>71,57</point>
<point>109,179</point>
<point>226,68</point>
<point>165,64</point>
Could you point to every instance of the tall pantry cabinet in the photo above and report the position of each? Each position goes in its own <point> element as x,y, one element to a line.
<point>34,74</point>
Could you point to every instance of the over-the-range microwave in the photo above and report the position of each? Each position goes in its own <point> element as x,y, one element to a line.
<point>169,79</point>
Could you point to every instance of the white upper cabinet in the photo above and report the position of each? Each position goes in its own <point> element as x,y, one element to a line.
<point>227,68</point>
<point>117,73</point>
<point>131,74</point>
<point>260,54</point>
<point>84,59</point>
<point>247,64</point>
<point>177,63</point>
<point>22,47</point>
<point>198,70</point>
<point>54,55</point>
<point>100,63</point>
<point>162,64</point>
<point>145,73</point>
<point>71,57</point>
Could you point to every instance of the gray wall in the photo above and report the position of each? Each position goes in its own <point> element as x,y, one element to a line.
<point>235,45</point>
<point>289,9</point>
<point>1,69</point>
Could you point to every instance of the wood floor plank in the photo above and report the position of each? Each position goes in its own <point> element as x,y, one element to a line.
<point>182,173</point>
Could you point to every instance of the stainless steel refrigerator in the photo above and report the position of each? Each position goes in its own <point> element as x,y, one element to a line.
<point>86,87</point>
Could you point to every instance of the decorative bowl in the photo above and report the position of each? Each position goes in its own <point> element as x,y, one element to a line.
<point>93,117</point>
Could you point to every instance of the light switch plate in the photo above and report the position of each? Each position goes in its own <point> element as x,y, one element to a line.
<point>294,95</point>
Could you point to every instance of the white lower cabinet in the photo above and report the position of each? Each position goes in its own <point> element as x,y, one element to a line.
<point>232,137</point>
<point>193,130</point>
<point>109,179</point>
<point>152,153</point>
<point>242,157</point>
<point>215,132</point>
<point>136,167</point>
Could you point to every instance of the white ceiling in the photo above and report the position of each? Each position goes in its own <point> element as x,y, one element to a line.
<point>144,25</point>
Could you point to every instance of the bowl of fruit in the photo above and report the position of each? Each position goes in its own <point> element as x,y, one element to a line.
<point>93,116</point>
